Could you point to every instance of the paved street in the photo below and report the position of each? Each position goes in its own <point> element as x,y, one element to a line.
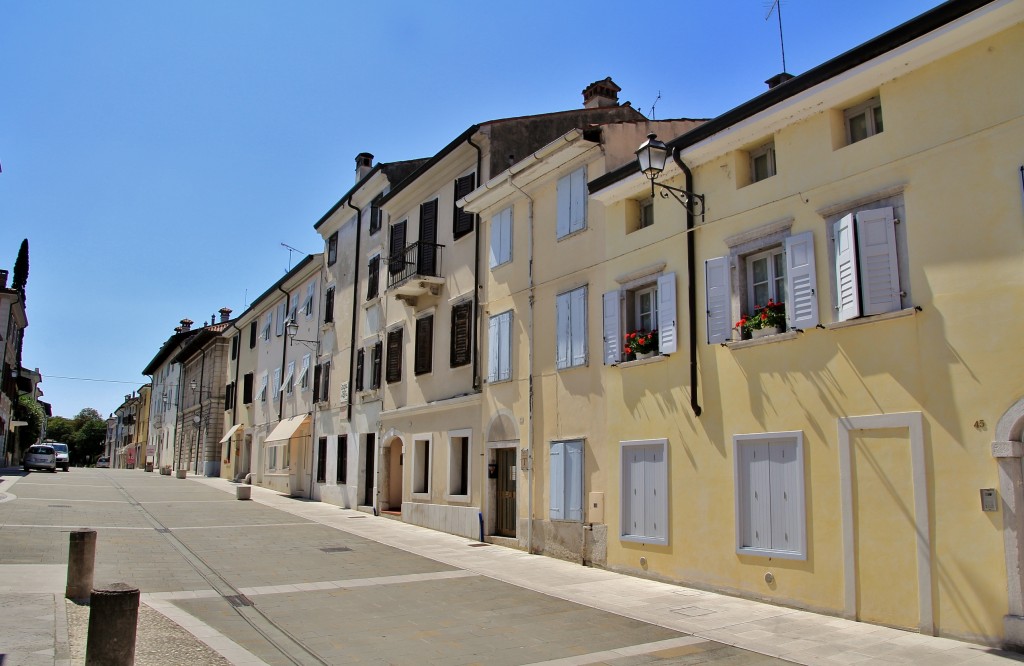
<point>284,581</point>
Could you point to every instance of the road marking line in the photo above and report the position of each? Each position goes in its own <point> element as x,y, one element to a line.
<point>68,499</point>
<point>217,641</point>
<point>627,651</point>
<point>235,527</point>
<point>350,583</point>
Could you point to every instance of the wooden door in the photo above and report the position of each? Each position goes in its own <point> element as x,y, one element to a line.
<point>505,523</point>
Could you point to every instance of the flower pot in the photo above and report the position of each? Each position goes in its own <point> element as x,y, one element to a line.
<point>761,332</point>
<point>641,355</point>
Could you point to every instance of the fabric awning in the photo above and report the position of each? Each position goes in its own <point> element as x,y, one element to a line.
<point>231,431</point>
<point>284,430</point>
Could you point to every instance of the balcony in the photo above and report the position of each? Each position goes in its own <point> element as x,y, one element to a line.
<point>416,272</point>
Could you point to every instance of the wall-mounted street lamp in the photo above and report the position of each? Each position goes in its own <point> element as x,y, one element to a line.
<point>652,156</point>
<point>292,328</point>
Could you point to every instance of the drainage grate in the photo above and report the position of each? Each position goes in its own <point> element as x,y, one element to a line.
<point>336,549</point>
<point>478,545</point>
<point>238,600</point>
<point>60,506</point>
<point>163,530</point>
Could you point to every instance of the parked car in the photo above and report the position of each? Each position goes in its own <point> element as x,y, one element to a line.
<point>103,461</point>
<point>63,460</point>
<point>40,456</point>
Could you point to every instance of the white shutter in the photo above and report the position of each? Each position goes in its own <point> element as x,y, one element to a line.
<point>495,239</point>
<point>719,299</point>
<point>578,321</point>
<point>578,199</point>
<point>505,346</point>
<point>493,353</point>
<point>801,288</point>
<point>759,533</point>
<point>557,476</point>
<point>876,252</point>
<point>282,311</point>
<point>847,288</point>
<point>562,331</point>
<point>786,514</point>
<point>653,521</point>
<point>667,329</point>
<point>564,197</point>
<point>505,237</point>
<point>612,329</point>
<point>574,480</point>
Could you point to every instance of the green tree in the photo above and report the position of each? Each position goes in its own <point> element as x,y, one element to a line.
<point>60,429</point>
<point>30,411</point>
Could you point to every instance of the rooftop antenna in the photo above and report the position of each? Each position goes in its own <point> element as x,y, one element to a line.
<point>777,5</point>
<point>655,104</point>
<point>290,250</point>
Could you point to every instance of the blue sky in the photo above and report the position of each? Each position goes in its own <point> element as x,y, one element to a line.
<point>156,155</point>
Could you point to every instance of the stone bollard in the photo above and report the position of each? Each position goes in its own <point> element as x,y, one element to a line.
<point>81,562</point>
<point>113,618</point>
<point>243,492</point>
<point>180,473</point>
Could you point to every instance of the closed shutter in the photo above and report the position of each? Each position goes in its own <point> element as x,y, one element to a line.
<point>462,223</point>
<point>847,280</point>
<point>634,498</point>
<point>501,237</point>
<point>655,493</point>
<point>227,396</point>
<point>282,314</point>
<point>424,344</point>
<point>493,349</point>
<point>578,200</point>
<point>234,346</point>
<point>461,351</point>
<point>785,496</point>
<point>317,372</point>
<point>574,480</point>
<point>378,351</point>
<point>396,251</point>
<point>427,251</point>
<point>667,329</point>
<point>557,475</point>
<point>325,393</point>
<point>801,285</point>
<point>310,297</point>
<point>562,223</point>
<point>719,299</point>
<point>578,321</point>
<point>329,306</point>
<point>247,388</point>
<point>758,487</point>
<point>332,249</point>
<point>611,328</point>
<point>360,364</point>
<point>394,369</point>
<point>373,278</point>
<point>876,253</point>
<point>252,335</point>
<point>562,333</point>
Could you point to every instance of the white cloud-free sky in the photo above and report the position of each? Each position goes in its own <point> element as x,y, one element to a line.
<point>156,155</point>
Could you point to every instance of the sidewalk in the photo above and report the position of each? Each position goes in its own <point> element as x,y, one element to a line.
<point>794,635</point>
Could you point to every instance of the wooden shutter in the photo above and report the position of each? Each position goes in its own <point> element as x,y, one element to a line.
<point>332,249</point>
<point>847,280</point>
<point>252,334</point>
<point>360,363</point>
<point>556,509</point>
<point>317,372</point>
<point>879,269</point>
<point>461,350</point>
<point>325,393</point>
<point>394,368</point>
<point>756,463</point>
<point>499,348</point>
<point>801,285</point>
<point>578,322</point>
<point>235,340</point>
<point>247,388</point>
<point>378,351</point>
<point>612,328</point>
<point>501,237</point>
<point>493,351</point>
<point>462,222</point>
<point>578,199</point>
<point>786,508</point>
<point>329,306</point>
<point>719,299</point>
<point>424,344</point>
<point>563,333</point>
<point>562,223</point>
<point>282,316</point>
<point>396,250</point>
<point>668,337</point>
<point>427,250</point>
<point>655,517</point>
<point>373,277</point>
<point>574,480</point>
<point>227,396</point>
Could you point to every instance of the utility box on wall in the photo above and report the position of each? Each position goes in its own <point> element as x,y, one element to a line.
<point>595,512</point>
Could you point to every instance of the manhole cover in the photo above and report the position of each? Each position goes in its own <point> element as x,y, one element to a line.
<point>239,600</point>
<point>336,549</point>
<point>691,611</point>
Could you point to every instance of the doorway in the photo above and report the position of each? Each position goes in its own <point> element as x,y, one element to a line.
<point>395,460</point>
<point>368,478</point>
<point>505,504</point>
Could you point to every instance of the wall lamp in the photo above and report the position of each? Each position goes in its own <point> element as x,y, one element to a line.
<point>652,156</point>
<point>292,328</point>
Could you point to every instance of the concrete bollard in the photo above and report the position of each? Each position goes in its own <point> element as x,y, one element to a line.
<point>243,492</point>
<point>180,473</point>
<point>149,467</point>
<point>113,618</point>
<point>81,562</point>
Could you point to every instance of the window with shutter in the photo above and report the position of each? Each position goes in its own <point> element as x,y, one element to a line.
<point>394,369</point>
<point>329,305</point>
<point>341,471</point>
<point>317,372</point>
<point>289,378</point>
<point>293,309</point>
<point>373,277</point>
<point>770,513</point>
<point>304,372</point>
<point>866,262</point>
<point>571,334</point>
<point>644,491</point>
<point>499,348</point>
<point>321,460</point>
<point>572,203</point>
<point>325,391</point>
<point>462,334</point>
<point>332,249</point>
<point>263,387</point>
<point>426,251</point>
<point>566,480</point>
<point>462,220</point>
<point>375,214</point>
<point>360,363</point>
<point>396,250</point>
<point>277,382</point>
<point>307,306</point>
<point>375,363</point>
<point>501,238</point>
<point>252,334</point>
<point>229,396</point>
<point>234,346</point>
<point>424,344</point>
<point>247,379</point>
<point>421,468</point>
<point>267,325</point>
<point>282,317</point>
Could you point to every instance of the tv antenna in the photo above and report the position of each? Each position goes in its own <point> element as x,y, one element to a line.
<point>776,7</point>
<point>290,250</point>
<point>655,104</point>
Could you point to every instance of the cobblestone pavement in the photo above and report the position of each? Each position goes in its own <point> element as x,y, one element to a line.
<point>225,581</point>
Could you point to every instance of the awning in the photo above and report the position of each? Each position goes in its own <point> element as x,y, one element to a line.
<point>284,430</point>
<point>231,431</point>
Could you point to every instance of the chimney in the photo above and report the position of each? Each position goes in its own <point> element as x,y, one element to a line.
<point>225,314</point>
<point>186,324</point>
<point>601,93</point>
<point>3,279</point>
<point>778,79</point>
<point>364,164</point>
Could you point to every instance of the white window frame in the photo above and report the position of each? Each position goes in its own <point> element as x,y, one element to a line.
<point>293,307</point>
<point>267,325</point>
<point>785,484</point>
<point>288,383</point>
<point>421,457</point>
<point>572,203</point>
<point>499,348</point>
<point>566,485</point>
<point>638,313</point>
<point>264,380</point>
<point>866,109</point>
<point>768,152</point>
<point>620,312</point>
<point>571,345</point>
<point>282,313</point>
<point>654,473</point>
<point>645,213</point>
<point>453,437</point>
<point>501,238</point>
<point>304,373</point>
<point>310,295</point>
<point>276,387</point>
<point>768,256</point>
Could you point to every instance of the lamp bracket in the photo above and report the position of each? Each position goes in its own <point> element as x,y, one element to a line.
<point>312,345</point>
<point>693,203</point>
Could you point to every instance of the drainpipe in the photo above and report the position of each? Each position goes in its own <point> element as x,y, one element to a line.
<point>284,352</point>
<point>691,287</point>
<point>312,407</point>
<point>355,310</point>
<point>476,274</point>
<point>200,453</point>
